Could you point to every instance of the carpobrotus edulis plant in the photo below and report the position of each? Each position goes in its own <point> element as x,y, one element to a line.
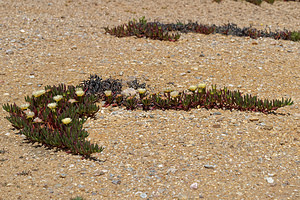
<point>198,97</point>
<point>171,32</point>
<point>54,117</point>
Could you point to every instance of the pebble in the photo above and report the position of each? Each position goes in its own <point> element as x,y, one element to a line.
<point>216,126</point>
<point>194,186</point>
<point>63,175</point>
<point>252,119</point>
<point>171,170</point>
<point>182,74</point>
<point>202,55</point>
<point>143,195</point>
<point>217,113</point>
<point>9,52</point>
<point>270,180</point>
<point>209,166</point>
<point>116,182</point>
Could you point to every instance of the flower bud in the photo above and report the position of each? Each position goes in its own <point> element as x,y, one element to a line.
<point>201,85</point>
<point>141,90</point>
<point>52,105</point>
<point>108,93</point>
<point>66,120</point>
<point>174,94</point>
<point>193,88</point>
<point>168,90</point>
<point>38,93</point>
<point>24,106</point>
<point>72,101</point>
<point>57,98</point>
<point>79,93</point>
<point>29,114</point>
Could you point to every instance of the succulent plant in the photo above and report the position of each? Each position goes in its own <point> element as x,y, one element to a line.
<point>56,124</point>
<point>160,31</point>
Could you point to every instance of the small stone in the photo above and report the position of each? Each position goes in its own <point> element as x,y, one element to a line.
<point>268,127</point>
<point>99,173</point>
<point>216,126</point>
<point>194,186</point>
<point>116,182</point>
<point>209,166</point>
<point>121,73</point>
<point>171,170</point>
<point>270,180</point>
<point>252,119</point>
<point>7,134</point>
<point>143,195</point>
<point>63,175</point>
<point>217,113</point>
<point>202,55</point>
<point>9,52</point>
<point>182,74</point>
<point>255,42</point>
<point>73,47</point>
<point>220,119</point>
<point>6,94</point>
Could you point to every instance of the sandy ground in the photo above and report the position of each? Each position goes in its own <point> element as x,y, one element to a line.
<point>210,154</point>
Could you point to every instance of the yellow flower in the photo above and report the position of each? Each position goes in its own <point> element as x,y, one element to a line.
<point>201,85</point>
<point>79,93</point>
<point>66,120</point>
<point>78,89</point>
<point>52,105</point>
<point>107,93</point>
<point>141,90</point>
<point>193,88</point>
<point>38,93</point>
<point>168,90</point>
<point>24,106</point>
<point>174,94</point>
<point>72,101</point>
<point>57,98</point>
<point>29,114</point>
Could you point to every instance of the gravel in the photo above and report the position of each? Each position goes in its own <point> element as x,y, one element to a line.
<point>155,154</point>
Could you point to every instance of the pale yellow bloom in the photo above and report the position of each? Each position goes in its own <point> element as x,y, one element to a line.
<point>57,98</point>
<point>24,106</point>
<point>108,93</point>
<point>29,114</point>
<point>66,120</point>
<point>52,105</point>
<point>72,101</point>
<point>193,88</point>
<point>201,85</point>
<point>78,89</point>
<point>79,93</point>
<point>38,93</point>
<point>141,90</point>
<point>37,120</point>
<point>174,94</point>
<point>168,90</point>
